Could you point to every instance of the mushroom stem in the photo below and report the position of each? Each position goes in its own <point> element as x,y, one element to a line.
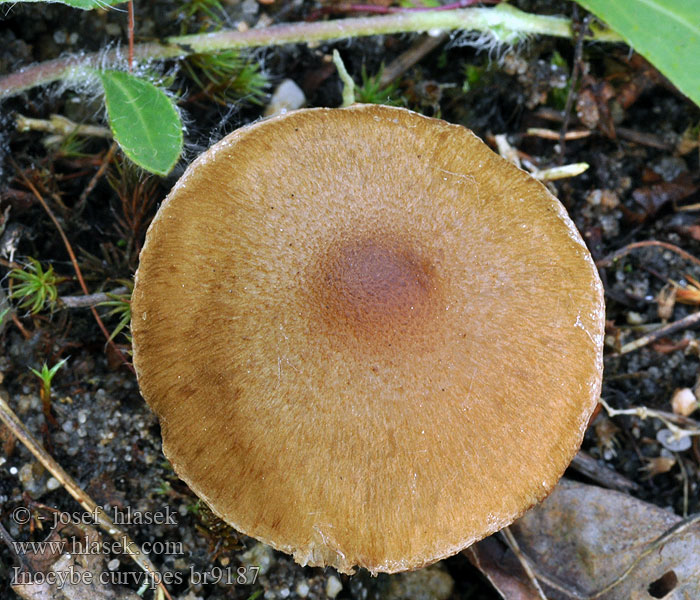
<point>505,23</point>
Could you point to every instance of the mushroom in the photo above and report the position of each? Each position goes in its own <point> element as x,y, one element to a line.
<point>370,340</point>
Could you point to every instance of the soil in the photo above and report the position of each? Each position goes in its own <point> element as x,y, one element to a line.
<point>643,171</point>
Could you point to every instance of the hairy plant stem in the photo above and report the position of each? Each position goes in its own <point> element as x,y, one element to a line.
<point>505,23</point>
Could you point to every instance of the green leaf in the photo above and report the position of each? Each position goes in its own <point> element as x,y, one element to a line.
<point>143,120</point>
<point>82,4</point>
<point>665,32</point>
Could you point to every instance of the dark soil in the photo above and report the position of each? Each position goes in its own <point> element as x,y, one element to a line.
<point>640,177</point>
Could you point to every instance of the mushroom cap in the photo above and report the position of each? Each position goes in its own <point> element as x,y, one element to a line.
<point>369,339</point>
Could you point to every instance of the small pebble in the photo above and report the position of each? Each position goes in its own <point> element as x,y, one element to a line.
<point>52,484</point>
<point>669,167</point>
<point>250,7</point>
<point>333,586</point>
<point>634,318</point>
<point>30,475</point>
<point>302,589</point>
<point>113,564</point>
<point>259,555</point>
<point>287,96</point>
<point>426,584</point>
<point>684,402</point>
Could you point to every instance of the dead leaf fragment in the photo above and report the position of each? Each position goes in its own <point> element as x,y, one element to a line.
<point>583,538</point>
<point>55,572</point>
<point>666,301</point>
<point>654,197</point>
<point>658,465</point>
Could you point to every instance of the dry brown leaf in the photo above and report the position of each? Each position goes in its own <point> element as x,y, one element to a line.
<point>654,197</point>
<point>583,538</point>
<point>666,345</point>
<point>658,465</point>
<point>52,575</point>
<point>502,569</point>
<point>666,301</point>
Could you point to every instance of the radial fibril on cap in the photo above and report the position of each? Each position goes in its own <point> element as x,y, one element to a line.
<point>370,340</point>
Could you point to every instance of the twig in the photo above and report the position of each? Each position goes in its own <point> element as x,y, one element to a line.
<point>555,173</point>
<point>91,299</point>
<point>562,172</point>
<point>581,30</point>
<point>410,57</point>
<point>506,20</point>
<point>10,543</point>
<point>643,139</point>
<point>61,125</point>
<point>625,250</point>
<point>685,323</point>
<point>505,149</point>
<point>74,261</point>
<point>15,319</point>
<point>585,464</point>
<point>688,207</point>
<point>515,548</point>
<point>643,413</point>
<point>550,134</point>
<point>10,419</point>
<point>631,135</point>
<point>347,7</point>
<point>80,205</point>
<point>131,35</point>
<point>684,475</point>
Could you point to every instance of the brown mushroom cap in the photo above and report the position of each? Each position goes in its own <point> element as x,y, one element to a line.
<point>370,340</point>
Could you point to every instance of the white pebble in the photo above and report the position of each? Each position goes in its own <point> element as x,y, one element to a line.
<point>287,96</point>
<point>634,318</point>
<point>333,586</point>
<point>260,556</point>
<point>684,402</point>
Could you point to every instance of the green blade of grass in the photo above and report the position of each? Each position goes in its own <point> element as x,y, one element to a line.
<point>143,120</point>
<point>82,4</point>
<point>665,32</point>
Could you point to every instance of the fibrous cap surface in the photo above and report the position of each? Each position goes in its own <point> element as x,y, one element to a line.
<point>370,340</point>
